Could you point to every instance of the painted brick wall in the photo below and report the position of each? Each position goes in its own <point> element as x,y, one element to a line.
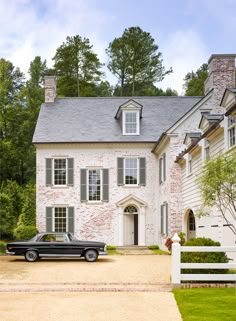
<point>221,71</point>
<point>97,221</point>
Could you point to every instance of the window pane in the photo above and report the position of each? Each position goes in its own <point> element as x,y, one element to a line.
<point>60,219</point>
<point>131,123</point>
<point>94,185</point>
<point>60,171</point>
<point>131,171</point>
<point>232,137</point>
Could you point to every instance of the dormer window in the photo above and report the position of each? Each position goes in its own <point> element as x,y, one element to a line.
<point>130,123</point>
<point>129,115</point>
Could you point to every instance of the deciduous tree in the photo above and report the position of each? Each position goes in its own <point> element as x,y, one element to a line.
<point>218,187</point>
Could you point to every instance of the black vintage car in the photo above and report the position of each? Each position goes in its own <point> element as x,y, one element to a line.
<point>56,245</point>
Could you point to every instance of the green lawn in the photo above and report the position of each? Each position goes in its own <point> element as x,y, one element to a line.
<point>155,249</point>
<point>206,304</point>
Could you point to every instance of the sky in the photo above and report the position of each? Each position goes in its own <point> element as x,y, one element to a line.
<point>186,31</point>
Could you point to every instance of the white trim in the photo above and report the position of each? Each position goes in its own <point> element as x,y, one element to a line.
<point>101,185</point>
<point>53,172</point>
<point>162,169</point>
<point>230,127</point>
<point>192,111</point>
<point>189,165</point>
<point>138,166</point>
<point>53,216</point>
<point>137,113</point>
<point>164,232</point>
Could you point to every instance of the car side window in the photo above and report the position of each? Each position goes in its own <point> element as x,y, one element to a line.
<point>47,238</point>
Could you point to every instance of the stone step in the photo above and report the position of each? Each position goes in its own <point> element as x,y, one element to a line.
<point>133,248</point>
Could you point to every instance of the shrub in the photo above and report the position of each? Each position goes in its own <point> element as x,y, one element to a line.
<point>169,241</point>
<point>111,247</point>
<point>153,247</point>
<point>2,246</point>
<point>28,215</point>
<point>23,232</point>
<point>7,217</point>
<point>203,257</point>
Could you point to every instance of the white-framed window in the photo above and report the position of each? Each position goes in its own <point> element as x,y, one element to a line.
<point>162,168</point>
<point>60,171</point>
<point>231,131</point>
<point>164,218</point>
<point>206,150</point>
<point>131,171</point>
<point>94,185</point>
<point>60,219</point>
<point>130,122</point>
<point>189,164</point>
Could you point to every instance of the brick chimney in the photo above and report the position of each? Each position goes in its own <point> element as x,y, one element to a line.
<point>221,75</point>
<point>50,88</point>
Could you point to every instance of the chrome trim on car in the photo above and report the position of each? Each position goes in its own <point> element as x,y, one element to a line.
<point>59,255</point>
<point>10,253</point>
<point>102,253</point>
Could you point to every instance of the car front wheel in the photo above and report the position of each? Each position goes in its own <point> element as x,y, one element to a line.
<point>91,255</point>
<point>31,256</point>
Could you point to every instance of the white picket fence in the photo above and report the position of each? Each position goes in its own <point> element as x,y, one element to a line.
<point>177,277</point>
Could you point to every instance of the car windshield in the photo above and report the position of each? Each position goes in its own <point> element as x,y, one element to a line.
<point>72,237</point>
<point>34,238</point>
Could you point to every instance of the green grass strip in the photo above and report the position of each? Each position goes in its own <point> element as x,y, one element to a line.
<point>208,304</point>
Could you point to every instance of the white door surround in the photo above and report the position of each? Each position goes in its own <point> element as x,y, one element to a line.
<point>140,205</point>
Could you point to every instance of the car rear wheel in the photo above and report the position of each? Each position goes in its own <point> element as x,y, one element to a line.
<point>31,256</point>
<point>91,255</point>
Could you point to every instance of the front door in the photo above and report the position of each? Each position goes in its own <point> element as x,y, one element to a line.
<point>128,229</point>
<point>191,226</point>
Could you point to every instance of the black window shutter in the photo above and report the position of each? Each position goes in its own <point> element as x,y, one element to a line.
<point>166,218</point>
<point>120,171</point>
<point>48,171</point>
<point>71,219</point>
<point>162,219</point>
<point>70,172</point>
<point>49,218</point>
<point>164,166</point>
<point>142,171</point>
<point>105,181</point>
<point>83,185</point>
<point>160,169</point>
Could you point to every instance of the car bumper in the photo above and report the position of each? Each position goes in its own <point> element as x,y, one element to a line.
<point>10,253</point>
<point>102,253</point>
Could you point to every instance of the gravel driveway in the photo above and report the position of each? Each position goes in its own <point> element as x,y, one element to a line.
<point>115,288</point>
<point>114,268</point>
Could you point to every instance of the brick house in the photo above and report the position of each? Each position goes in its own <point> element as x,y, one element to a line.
<point>118,169</point>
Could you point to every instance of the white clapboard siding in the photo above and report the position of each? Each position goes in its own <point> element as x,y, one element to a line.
<point>191,193</point>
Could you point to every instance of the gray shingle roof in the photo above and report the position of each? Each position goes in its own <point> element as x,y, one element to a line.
<point>93,119</point>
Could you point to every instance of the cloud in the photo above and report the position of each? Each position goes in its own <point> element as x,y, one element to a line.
<point>39,28</point>
<point>184,52</point>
